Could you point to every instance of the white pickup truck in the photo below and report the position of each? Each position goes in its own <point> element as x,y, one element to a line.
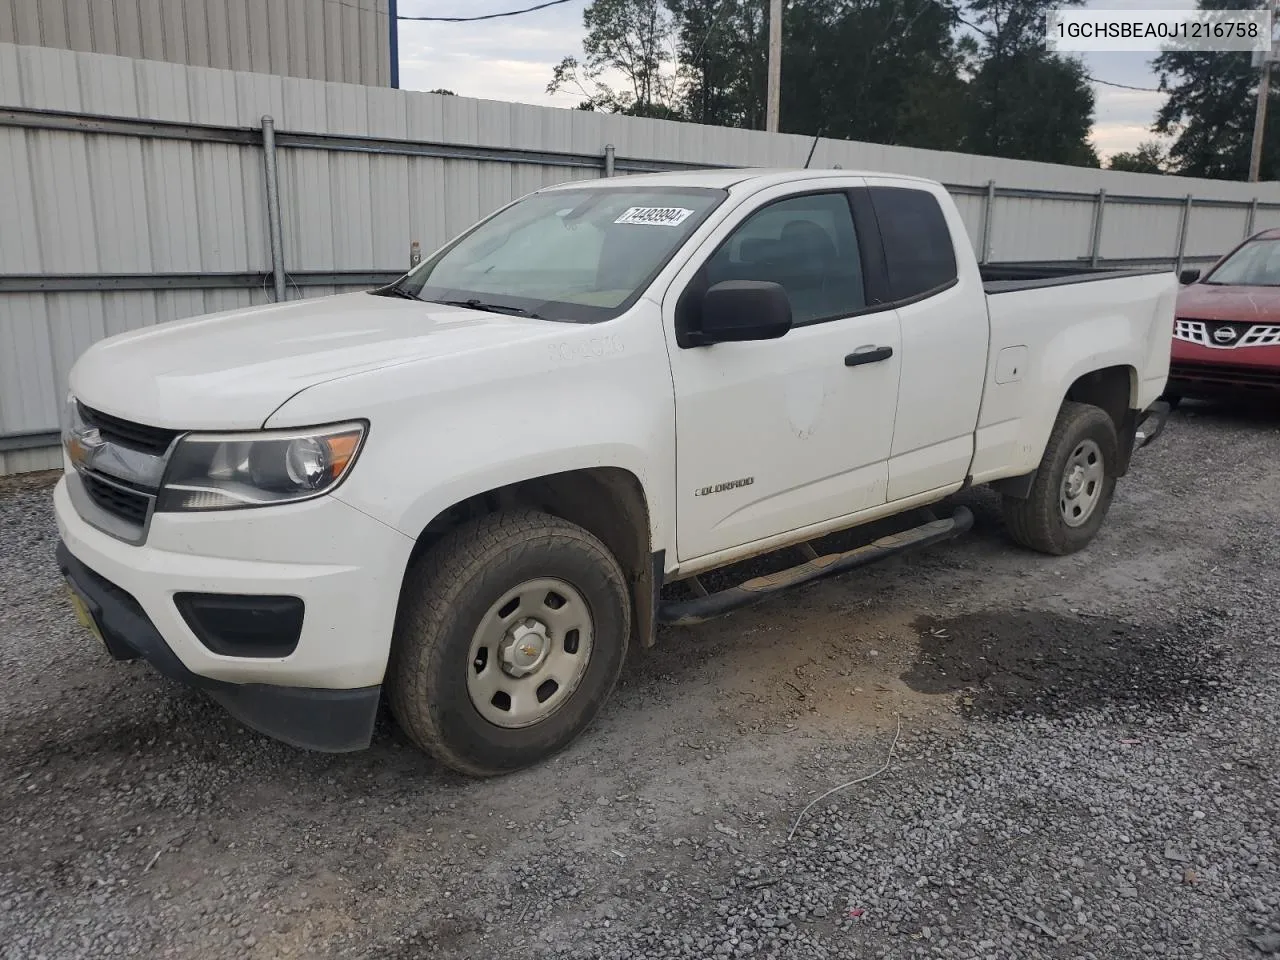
<point>467,489</point>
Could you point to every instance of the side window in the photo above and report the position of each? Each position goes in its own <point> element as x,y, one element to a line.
<point>808,245</point>
<point>918,249</point>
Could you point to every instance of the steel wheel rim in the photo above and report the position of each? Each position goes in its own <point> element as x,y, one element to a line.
<point>1082,481</point>
<point>529,653</point>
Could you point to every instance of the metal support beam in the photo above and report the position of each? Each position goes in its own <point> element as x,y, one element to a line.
<point>1182,232</point>
<point>610,160</point>
<point>249,136</point>
<point>28,440</point>
<point>1095,248</point>
<point>273,207</point>
<point>987,210</point>
<point>393,17</point>
<point>1253,215</point>
<point>96,282</point>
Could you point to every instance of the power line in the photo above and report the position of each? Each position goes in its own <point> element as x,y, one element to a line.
<point>487,16</point>
<point>1124,86</point>
<point>1106,83</point>
<point>715,22</point>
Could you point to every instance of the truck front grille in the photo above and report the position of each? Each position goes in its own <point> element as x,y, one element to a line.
<point>117,500</point>
<point>126,433</point>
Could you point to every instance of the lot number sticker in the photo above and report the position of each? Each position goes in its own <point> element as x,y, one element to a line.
<point>655,216</point>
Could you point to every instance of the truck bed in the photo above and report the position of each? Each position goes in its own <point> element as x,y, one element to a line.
<point>1011,277</point>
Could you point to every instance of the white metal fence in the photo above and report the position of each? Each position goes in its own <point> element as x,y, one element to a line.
<point>134,192</point>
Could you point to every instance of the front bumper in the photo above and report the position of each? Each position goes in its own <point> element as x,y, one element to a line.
<point>345,567</point>
<point>1199,371</point>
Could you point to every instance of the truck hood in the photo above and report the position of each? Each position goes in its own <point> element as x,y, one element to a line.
<point>1205,301</point>
<point>231,370</point>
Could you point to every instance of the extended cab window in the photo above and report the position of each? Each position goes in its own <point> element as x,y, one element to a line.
<point>807,245</point>
<point>918,251</point>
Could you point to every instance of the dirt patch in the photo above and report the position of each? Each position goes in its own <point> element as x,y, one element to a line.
<point>1048,664</point>
<point>24,482</point>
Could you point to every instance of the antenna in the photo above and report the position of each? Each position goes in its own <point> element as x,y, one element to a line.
<point>811,149</point>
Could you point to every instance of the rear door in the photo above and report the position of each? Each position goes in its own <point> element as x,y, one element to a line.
<point>942,310</point>
<point>776,435</point>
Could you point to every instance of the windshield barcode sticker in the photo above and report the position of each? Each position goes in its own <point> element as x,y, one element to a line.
<point>655,216</point>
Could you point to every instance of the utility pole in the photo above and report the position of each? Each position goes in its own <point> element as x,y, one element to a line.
<point>1260,121</point>
<point>775,65</point>
<point>1264,91</point>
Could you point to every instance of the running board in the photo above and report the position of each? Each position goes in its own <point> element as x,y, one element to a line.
<point>699,609</point>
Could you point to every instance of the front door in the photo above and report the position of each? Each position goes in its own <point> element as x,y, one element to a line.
<point>776,435</point>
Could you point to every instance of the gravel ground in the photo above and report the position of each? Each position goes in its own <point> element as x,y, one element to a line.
<point>1082,760</point>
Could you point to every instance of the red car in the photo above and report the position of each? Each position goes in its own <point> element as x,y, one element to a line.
<point>1226,338</point>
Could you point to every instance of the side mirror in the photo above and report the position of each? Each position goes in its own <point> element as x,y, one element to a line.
<point>738,310</point>
<point>1188,276</point>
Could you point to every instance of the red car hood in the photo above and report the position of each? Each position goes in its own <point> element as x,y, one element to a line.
<point>1205,301</point>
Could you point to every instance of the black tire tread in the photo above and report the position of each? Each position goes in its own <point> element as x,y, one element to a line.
<point>431,590</point>
<point>1033,522</point>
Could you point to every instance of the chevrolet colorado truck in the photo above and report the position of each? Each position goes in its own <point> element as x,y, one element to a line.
<point>466,490</point>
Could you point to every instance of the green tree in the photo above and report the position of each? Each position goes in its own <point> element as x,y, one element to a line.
<point>1210,109</point>
<point>1148,158</point>
<point>879,70</point>
<point>634,38</point>
<point>1028,103</point>
<point>885,71</point>
<point>723,51</point>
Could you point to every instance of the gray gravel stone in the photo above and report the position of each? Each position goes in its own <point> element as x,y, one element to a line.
<point>1087,768</point>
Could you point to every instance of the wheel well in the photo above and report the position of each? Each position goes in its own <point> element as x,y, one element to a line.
<point>1112,389</point>
<point>607,501</point>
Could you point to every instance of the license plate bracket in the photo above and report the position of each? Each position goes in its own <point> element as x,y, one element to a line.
<point>84,613</point>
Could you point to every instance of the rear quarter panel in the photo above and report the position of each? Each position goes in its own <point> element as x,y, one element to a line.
<point>1051,336</point>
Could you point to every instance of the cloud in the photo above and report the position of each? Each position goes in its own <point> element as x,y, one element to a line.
<point>508,59</point>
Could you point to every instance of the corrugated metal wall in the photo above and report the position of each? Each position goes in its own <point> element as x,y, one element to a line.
<point>343,40</point>
<point>89,204</point>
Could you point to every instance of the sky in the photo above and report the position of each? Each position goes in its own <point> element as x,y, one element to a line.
<point>512,59</point>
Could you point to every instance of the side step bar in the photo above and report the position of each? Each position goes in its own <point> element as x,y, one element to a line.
<point>699,609</point>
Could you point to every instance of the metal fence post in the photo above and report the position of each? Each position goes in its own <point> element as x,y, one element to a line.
<point>1095,248</point>
<point>987,210</point>
<point>273,206</point>
<point>608,159</point>
<point>1182,232</point>
<point>1253,214</point>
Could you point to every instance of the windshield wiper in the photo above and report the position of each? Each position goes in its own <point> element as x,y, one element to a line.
<point>398,291</point>
<point>474,304</point>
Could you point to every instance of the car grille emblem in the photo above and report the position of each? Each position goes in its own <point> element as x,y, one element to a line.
<point>1224,335</point>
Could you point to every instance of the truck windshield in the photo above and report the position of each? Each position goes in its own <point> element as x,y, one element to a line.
<point>579,255</point>
<point>1256,264</point>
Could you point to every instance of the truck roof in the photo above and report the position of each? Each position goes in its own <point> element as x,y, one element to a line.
<point>724,178</point>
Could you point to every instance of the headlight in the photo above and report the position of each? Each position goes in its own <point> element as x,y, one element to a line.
<point>225,471</point>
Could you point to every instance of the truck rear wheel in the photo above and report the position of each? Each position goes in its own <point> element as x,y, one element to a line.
<point>510,636</point>
<point>1073,487</point>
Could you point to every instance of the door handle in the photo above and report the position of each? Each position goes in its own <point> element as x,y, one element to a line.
<point>867,355</point>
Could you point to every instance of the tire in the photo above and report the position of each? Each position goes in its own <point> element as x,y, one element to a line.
<point>1050,521</point>
<point>458,639</point>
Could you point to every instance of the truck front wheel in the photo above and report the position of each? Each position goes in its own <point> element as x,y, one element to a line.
<point>510,636</point>
<point>1073,487</point>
